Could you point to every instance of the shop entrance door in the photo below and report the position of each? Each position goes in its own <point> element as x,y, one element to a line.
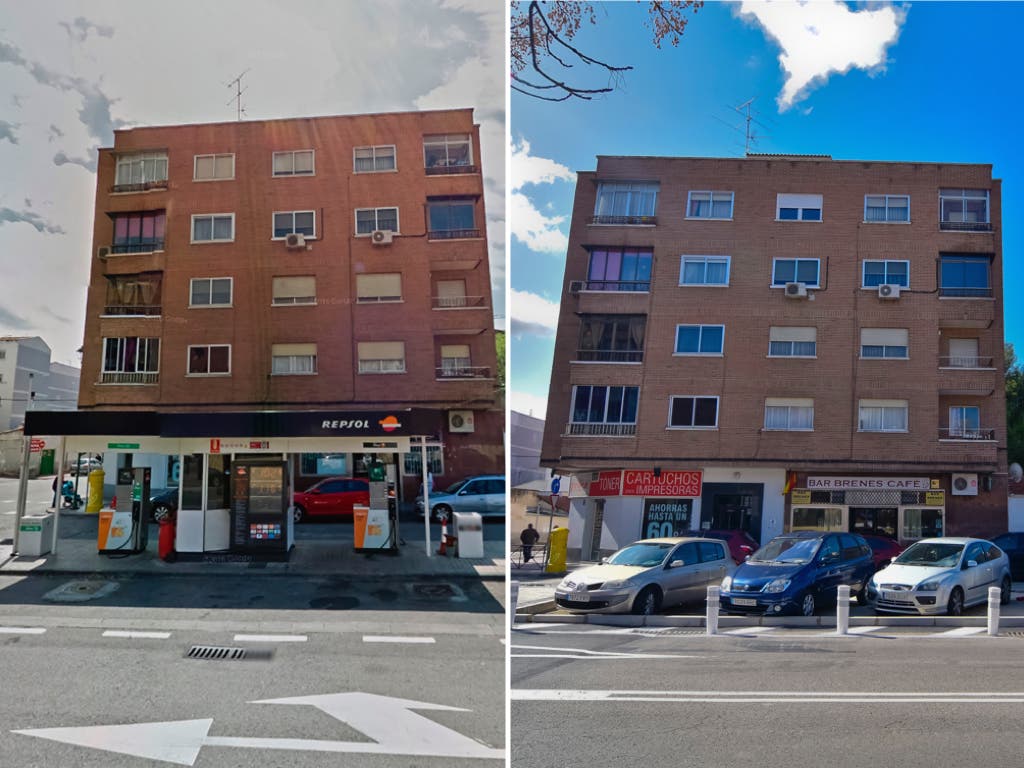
<point>874,521</point>
<point>732,506</point>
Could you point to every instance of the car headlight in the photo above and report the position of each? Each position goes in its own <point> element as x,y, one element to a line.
<point>621,584</point>
<point>778,585</point>
<point>928,586</point>
<point>727,583</point>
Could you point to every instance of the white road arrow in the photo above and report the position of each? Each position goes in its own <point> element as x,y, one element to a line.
<point>395,730</point>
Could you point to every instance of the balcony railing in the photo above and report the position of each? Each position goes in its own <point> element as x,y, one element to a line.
<point>965,226</point>
<point>445,170</point>
<point>448,372</point>
<point>123,377</point>
<point>961,433</point>
<point>965,361</point>
<point>143,246</point>
<point>145,310</point>
<point>965,293</point>
<point>610,356</point>
<point>649,220</point>
<point>452,234</point>
<point>458,302</point>
<point>143,187</point>
<point>581,429</point>
<point>637,286</point>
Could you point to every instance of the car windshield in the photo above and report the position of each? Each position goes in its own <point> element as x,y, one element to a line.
<point>642,555</point>
<point>931,554</point>
<point>783,550</point>
<point>454,487</point>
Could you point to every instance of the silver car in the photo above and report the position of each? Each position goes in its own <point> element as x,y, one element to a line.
<point>646,576</point>
<point>943,575</point>
<point>481,493</point>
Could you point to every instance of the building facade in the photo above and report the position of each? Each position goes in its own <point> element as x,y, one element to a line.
<point>29,379</point>
<point>777,343</point>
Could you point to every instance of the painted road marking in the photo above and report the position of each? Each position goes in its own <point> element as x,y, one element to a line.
<point>749,631</point>
<point>396,639</point>
<point>864,630</point>
<point>133,634</point>
<point>583,654</point>
<point>22,630</point>
<point>271,638</point>
<point>959,632</point>
<point>769,697</point>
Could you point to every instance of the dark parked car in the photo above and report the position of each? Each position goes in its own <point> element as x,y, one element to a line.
<point>1013,545</point>
<point>885,549</point>
<point>798,572</point>
<point>740,543</point>
<point>163,503</point>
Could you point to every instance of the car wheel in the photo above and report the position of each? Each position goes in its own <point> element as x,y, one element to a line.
<point>442,510</point>
<point>1004,591</point>
<point>648,602</point>
<point>807,604</point>
<point>862,596</point>
<point>298,513</point>
<point>161,512</point>
<point>955,606</point>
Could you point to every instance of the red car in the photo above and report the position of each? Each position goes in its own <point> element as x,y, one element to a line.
<point>740,543</point>
<point>883,549</point>
<point>332,496</point>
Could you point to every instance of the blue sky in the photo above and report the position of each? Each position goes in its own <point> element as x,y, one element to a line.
<point>923,82</point>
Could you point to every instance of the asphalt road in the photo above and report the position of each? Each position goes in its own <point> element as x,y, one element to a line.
<point>593,696</point>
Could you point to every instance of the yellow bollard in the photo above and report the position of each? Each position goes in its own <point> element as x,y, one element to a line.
<point>558,542</point>
<point>94,502</point>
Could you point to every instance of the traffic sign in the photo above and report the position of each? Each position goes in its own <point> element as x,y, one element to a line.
<point>556,483</point>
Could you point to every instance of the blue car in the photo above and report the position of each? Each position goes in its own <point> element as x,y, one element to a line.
<point>797,572</point>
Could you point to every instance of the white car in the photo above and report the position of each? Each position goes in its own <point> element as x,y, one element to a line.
<point>943,575</point>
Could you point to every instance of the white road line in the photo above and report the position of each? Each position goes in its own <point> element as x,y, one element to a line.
<point>132,634</point>
<point>582,654</point>
<point>863,630</point>
<point>22,630</point>
<point>749,631</point>
<point>959,632</point>
<point>748,697</point>
<point>270,638</point>
<point>396,639</point>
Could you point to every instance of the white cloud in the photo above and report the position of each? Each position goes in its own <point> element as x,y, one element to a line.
<point>532,228</point>
<point>819,38</point>
<point>530,404</point>
<point>533,314</point>
<point>530,169</point>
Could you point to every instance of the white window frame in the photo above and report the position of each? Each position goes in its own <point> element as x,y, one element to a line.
<point>376,219</point>
<point>887,220</point>
<point>685,259</point>
<point>273,225</point>
<point>864,272</point>
<point>369,369</point>
<point>283,301</point>
<point>211,305</point>
<point>208,348</point>
<point>789,405</point>
<point>884,405</point>
<point>630,188</point>
<point>802,203</point>
<point>291,360</point>
<point>963,431</point>
<point>797,259</point>
<point>141,157</point>
<point>713,193</point>
<point>963,197</point>
<point>785,328</point>
<point>884,356</point>
<point>701,326</point>
<point>379,299</point>
<point>704,427</point>
<point>211,217</point>
<point>373,149</point>
<point>121,353</point>
<point>448,140</point>
<point>283,175</point>
<point>197,158</point>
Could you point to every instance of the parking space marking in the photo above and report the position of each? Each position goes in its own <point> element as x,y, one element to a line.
<point>959,632</point>
<point>768,697</point>
<point>864,630</point>
<point>22,630</point>
<point>271,638</point>
<point>749,631</point>
<point>130,634</point>
<point>396,639</point>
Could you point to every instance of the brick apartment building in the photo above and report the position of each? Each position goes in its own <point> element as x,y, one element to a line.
<point>781,342</point>
<point>256,284</point>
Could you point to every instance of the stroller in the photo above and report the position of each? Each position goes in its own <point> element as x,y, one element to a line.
<point>69,499</point>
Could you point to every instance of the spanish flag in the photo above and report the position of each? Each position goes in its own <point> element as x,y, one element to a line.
<point>790,482</point>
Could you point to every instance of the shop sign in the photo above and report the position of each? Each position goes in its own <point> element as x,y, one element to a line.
<point>122,446</point>
<point>667,483</point>
<point>935,498</point>
<point>666,517</point>
<point>607,483</point>
<point>868,483</point>
<point>800,496</point>
<point>36,445</point>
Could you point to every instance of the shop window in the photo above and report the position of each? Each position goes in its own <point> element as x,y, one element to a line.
<point>922,523</point>
<point>323,464</point>
<point>816,519</point>
<point>412,462</point>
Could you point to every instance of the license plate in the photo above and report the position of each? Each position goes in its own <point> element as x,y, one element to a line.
<point>896,597</point>
<point>579,597</point>
<point>744,601</point>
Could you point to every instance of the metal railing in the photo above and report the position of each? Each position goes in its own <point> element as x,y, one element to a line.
<point>445,170</point>
<point>965,361</point>
<point>143,187</point>
<point>122,377</point>
<point>961,433</point>
<point>649,220</point>
<point>581,429</point>
<point>453,234</point>
<point>637,286</point>
<point>145,246</point>
<point>610,356</point>
<point>965,226</point>
<point>463,372</point>
<point>458,302</point>
<point>966,293</point>
<point>132,309</point>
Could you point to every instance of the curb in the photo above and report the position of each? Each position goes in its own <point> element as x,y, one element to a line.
<point>240,569</point>
<point>736,622</point>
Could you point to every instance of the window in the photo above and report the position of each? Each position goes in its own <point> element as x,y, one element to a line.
<point>798,207</point>
<point>455,361</point>
<point>965,421</point>
<point>412,462</point>
<point>452,217</point>
<point>880,272</point>
<point>709,205</point>
<point>966,276</point>
<point>210,292</point>
<point>136,172</point>
<point>323,464</point>
<point>795,271</point>
<point>451,294</point>
<point>604,405</point>
<point>382,357</point>
<point>213,228</point>
<point>139,232</point>
<point>294,290</point>
<point>699,339</point>
<point>789,414</point>
<point>293,359</point>
<point>133,294</point>
<point>887,208</point>
<point>130,361</point>
<point>373,159</point>
<point>964,209</point>
<point>626,203</point>
<point>620,270</point>
<point>213,167</point>
<point>377,288</point>
<point>884,342</point>
<point>883,415</point>
<point>704,270</point>
<point>296,163</point>
<point>445,153</point>
<point>687,412</point>
<point>294,222</point>
<point>711,551</point>
<point>368,220</point>
<point>963,353</point>
<point>612,338</point>
<point>792,342</point>
<point>209,360</point>
<point>922,523</point>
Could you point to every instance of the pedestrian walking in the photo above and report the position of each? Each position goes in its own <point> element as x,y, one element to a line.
<point>528,537</point>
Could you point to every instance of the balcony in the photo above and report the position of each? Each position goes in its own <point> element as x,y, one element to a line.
<point>965,293</point>
<point>454,234</point>
<point>580,429</point>
<point>610,356</point>
<point>946,433</point>
<point>633,286</point>
<point>461,371</point>
<point>123,377</point>
<point>966,362</point>
<point>146,186</point>
<point>965,226</point>
<point>129,310</point>
<point>643,221</point>
<point>459,302</point>
<point>449,168</point>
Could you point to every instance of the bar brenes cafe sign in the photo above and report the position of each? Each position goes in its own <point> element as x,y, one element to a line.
<point>868,484</point>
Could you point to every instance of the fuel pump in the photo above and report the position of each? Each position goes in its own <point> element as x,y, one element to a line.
<point>377,526</point>
<point>125,530</point>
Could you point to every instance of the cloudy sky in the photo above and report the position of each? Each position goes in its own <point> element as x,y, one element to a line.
<point>71,73</point>
<point>858,81</point>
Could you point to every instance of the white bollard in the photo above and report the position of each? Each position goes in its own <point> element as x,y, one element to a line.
<point>712,618</point>
<point>514,586</point>
<point>843,609</point>
<point>994,596</point>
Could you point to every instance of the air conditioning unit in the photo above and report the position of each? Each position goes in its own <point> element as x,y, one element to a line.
<point>965,484</point>
<point>102,252</point>
<point>460,421</point>
<point>295,240</point>
<point>381,237</point>
<point>888,291</point>
<point>575,287</point>
<point>796,291</point>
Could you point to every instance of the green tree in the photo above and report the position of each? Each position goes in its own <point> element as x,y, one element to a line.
<point>499,375</point>
<point>1014,376</point>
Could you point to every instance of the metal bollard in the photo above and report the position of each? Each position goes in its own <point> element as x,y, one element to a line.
<point>843,609</point>
<point>994,595</point>
<point>712,617</point>
<point>514,587</point>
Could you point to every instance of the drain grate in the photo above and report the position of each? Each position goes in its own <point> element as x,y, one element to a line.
<point>1013,633</point>
<point>434,590</point>
<point>80,591</point>
<point>226,653</point>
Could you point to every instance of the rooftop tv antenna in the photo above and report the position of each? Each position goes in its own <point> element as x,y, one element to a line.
<point>750,136</point>
<point>239,90</point>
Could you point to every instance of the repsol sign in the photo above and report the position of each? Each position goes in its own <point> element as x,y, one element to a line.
<point>345,424</point>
